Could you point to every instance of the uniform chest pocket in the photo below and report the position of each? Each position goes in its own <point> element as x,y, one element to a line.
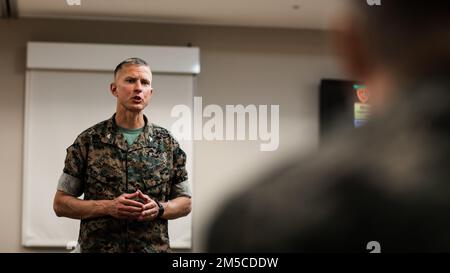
<point>156,176</point>
<point>104,177</point>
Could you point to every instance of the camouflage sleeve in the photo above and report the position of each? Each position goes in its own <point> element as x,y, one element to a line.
<point>179,164</point>
<point>180,185</point>
<point>70,184</point>
<point>71,181</point>
<point>180,189</point>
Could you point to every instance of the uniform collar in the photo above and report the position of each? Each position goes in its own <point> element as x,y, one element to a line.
<point>112,136</point>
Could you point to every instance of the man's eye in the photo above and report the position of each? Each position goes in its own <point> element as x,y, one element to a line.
<point>129,80</point>
<point>145,82</point>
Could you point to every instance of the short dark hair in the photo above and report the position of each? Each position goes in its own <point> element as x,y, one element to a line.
<point>134,60</point>
<point>404,31</point>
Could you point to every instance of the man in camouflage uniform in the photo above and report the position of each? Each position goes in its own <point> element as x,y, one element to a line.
<point>131,172</point>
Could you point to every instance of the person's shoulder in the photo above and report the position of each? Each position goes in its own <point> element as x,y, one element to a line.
<point>161,132</point>
<point>163,135</point>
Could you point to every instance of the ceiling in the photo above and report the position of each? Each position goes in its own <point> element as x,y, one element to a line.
<point>305,14</point>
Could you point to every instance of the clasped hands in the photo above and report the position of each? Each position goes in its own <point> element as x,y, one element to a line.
<point>126,207</point>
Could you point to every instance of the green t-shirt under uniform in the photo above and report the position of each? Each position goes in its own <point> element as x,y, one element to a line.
<point>130,134</point>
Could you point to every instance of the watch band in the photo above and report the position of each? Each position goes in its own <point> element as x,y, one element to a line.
<point>161,209</point>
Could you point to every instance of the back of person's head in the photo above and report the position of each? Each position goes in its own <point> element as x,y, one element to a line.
<point>386,181</point>
<point>408,36</point>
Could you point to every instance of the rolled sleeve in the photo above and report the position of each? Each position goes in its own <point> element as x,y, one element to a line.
<point>71,180</point>
<point>180,189</point>
<point>70,184</point>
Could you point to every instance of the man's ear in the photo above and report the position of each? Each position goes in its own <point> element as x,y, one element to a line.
<point>113,89</point>
<point>151,93</point>
<point>352,48</point>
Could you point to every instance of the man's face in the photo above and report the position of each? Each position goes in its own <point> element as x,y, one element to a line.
<point>133,87</point>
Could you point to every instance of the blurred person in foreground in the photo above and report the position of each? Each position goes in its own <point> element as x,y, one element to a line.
<point>387,182</point>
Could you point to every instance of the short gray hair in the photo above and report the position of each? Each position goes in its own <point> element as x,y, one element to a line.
<point>134,60</point>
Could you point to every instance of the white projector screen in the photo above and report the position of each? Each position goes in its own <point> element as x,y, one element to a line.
<point>60,104</point>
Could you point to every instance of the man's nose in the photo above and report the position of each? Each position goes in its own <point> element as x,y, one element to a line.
<point>138,87</point>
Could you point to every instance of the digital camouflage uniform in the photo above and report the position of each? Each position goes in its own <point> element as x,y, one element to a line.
<point>102,165</point>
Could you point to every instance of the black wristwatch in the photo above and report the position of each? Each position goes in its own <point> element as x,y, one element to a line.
<point>161,209</point>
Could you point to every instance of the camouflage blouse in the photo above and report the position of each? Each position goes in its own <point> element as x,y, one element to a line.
<point>101,165</point>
